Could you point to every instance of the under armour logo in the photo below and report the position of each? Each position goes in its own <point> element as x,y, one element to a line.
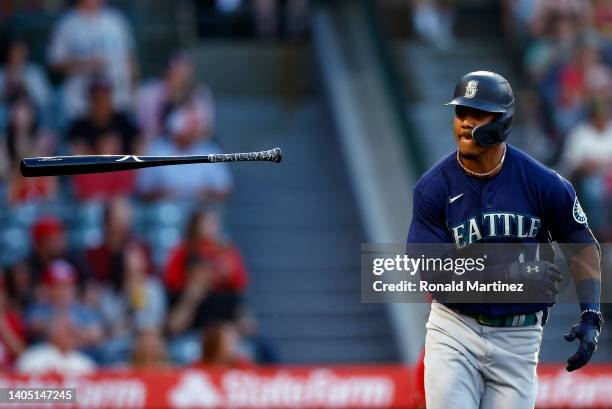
<point>471,88</point>
<point>534,269</point>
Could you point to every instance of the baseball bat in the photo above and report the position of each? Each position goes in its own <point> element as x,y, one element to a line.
<point>80,164</point>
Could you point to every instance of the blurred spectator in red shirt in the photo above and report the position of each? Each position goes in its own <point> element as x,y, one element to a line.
<point>103,131</point>
<point>221,347</point>
<point>19,73</point>
<point>60,297</point>
<point>157,99</point>
<point>149,350</point>
<point>24,137</point>
<point>59,355</point>
<point>205,278</point>
<point>106,261</point>
<point>49,242</point>
<point>89,40</point>
<point>187,127</point>
<point>12,331</point>
<point>204,239</point>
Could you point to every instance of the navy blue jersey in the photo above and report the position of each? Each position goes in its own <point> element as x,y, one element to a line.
<point>525,202</point>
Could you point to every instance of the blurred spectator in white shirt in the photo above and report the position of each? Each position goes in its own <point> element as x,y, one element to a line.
<point>155,100</point>
<point>589,145</point>
<point>588,158</point>
<point>19,73</point>
<point>433,20</point>
<point>93,39</point>
<point>58,355</point>
<point>205,182</point>
<point>60,296</point>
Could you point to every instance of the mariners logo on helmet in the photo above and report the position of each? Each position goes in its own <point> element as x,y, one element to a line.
<point>471,88</point>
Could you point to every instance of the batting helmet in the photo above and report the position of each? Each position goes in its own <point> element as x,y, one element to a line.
<point>489,92</point>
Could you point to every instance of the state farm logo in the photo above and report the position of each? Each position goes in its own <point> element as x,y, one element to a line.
<point>282,389</point>
<point>576,390</point>
<point>195,390</point>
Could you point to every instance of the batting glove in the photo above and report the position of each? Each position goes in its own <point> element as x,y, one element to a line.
<point>542,277</point>
<point>587,331</point>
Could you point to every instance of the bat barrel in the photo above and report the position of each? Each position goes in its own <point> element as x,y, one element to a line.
<point>72,165</point>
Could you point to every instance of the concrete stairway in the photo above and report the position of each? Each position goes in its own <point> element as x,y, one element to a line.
<point>300,233</point>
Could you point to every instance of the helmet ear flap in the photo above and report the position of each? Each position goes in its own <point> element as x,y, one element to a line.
<point>494,132</point>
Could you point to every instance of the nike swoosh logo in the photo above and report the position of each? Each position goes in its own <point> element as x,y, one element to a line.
<point>452,199</point>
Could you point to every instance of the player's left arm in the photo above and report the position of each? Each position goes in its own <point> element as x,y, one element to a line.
<point>586,272</point>
<point>568,226</point>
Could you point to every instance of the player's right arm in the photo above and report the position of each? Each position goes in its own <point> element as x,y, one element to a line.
<point>428,235</point>
<point>428,221</point>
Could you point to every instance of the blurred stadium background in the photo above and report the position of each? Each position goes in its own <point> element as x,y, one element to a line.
<point>215,286</point>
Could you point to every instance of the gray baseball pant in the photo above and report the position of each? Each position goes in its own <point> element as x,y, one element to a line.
<point>473,366</point>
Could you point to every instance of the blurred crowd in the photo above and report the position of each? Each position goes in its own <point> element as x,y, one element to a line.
<point>116,269</point>
<point>565,50</point>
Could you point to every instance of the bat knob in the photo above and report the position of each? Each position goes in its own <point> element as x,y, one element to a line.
<point>277,155</point>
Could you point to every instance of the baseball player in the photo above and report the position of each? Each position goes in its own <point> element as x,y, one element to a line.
<point>485,355</point>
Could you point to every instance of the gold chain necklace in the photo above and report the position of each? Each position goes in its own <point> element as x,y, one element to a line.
<point>489,173</point>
